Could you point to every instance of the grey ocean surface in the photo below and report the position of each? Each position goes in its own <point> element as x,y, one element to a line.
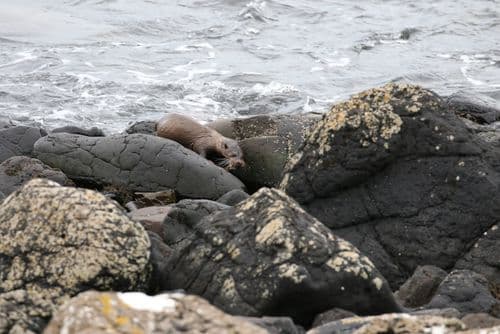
<point>106,63</point>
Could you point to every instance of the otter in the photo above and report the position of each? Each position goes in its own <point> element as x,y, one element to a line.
<point>224,152</point>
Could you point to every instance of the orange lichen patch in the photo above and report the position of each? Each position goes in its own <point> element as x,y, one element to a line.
<point>106,304</point>
<point>122,321</point>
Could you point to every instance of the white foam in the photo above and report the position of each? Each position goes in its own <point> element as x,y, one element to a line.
<point>273,88</point>
<point>24,56</point>
<point>191,47</point>
<point>342,62</point>
<point>145,78</point>
<point>142,302</point>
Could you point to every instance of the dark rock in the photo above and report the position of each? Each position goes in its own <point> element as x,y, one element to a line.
<point>407,33</point>
<point>137,162</point>
<point>265,158</point>
<point>58,241</point>
<point>480,320</point>
<point>421,286</point>
<point>160,253</point>
<point>92,132</point>
<point>15,171</point>
<point>18,140</point>
<point>184,215</point>
<point>483,258</point>
<point>330,316</point>
<point>233,197</point>
<point>132,312</point>
<point>391,323</point>
<point>477,107</point>
<point>396,173</point>
<point>158,198</point>
<point>144,127</point>
<point>6,123</point>
<point>466,291</point>
<point>266,256</point>
<point>275,325</point>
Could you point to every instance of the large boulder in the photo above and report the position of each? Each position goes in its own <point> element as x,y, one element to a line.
<point>466,291</point>
<point>15,171</point>
<point>58,241</point>
<point>137,162</point>
<point>18,140</point>
<point>92,132</point>
<point>267,256</point>
<point>398,174</point>
<point>134,312</point>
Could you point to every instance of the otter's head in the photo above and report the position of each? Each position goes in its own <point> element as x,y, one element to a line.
<point>232,153</point>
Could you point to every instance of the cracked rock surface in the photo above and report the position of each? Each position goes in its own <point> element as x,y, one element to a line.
<point>267,256</point>
<point>15,171</point>
<point>137,162</point>
<point>18,140</point>
<point>58,241</point>
<point>399,175</point>
<point>133,312</point>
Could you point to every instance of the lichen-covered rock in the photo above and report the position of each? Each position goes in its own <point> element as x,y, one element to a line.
<point>480,320</point>
<point>421,286</point>
<point>266,256</point>
<point>465,291</point>
<point>92,132</point>
<point>23,312</point>
<point>399,175</point>
<point>275,325</point>
<point>267,142</point>
<point>391,323</point>
<point>15,171</point>
<point>18,140</point>
<point>484,258</point>
<point>491,330</point>
<point>137,162</point>
<point>58,241</point>
<point>334,314</point>
<point>133,312</point>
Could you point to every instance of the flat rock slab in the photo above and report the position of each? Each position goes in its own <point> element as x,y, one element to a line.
<point>18,140</point>
<point>15,171</point>
<point>58,241</point>
<point>267,256</point>
<point>397,173</point>
<point>133,312</point>
<point>137,162</point>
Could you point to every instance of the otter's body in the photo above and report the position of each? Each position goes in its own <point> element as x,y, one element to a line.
<point>201,139</point>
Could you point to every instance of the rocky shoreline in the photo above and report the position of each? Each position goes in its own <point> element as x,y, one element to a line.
<point>380,216</point>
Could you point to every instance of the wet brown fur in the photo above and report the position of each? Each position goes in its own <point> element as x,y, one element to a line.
<point>201,139</point>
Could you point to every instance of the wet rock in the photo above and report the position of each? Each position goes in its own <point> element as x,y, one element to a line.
<point>399,175</point>
<point>483,258</point>
<point>183,216</point>
<point>158,198</point>
<point>144,127</point>
<point>6,123</point>
<point>275,325</point>
<point>480,320</point>
<point>464,290</point>
<point>15,171</point>
<point>421,286</point>
<point>477,107</point>
<point>265,158</point>
<point>330,316</point>
<point>92,132</point>
<point>132,312</point>
<point>140,163</point>
<point>391,323</point>
<point>266,256</point>
<point>233,197</point>
<point>58,241</point>
<point>267,141</point>
<point>18,140</point>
